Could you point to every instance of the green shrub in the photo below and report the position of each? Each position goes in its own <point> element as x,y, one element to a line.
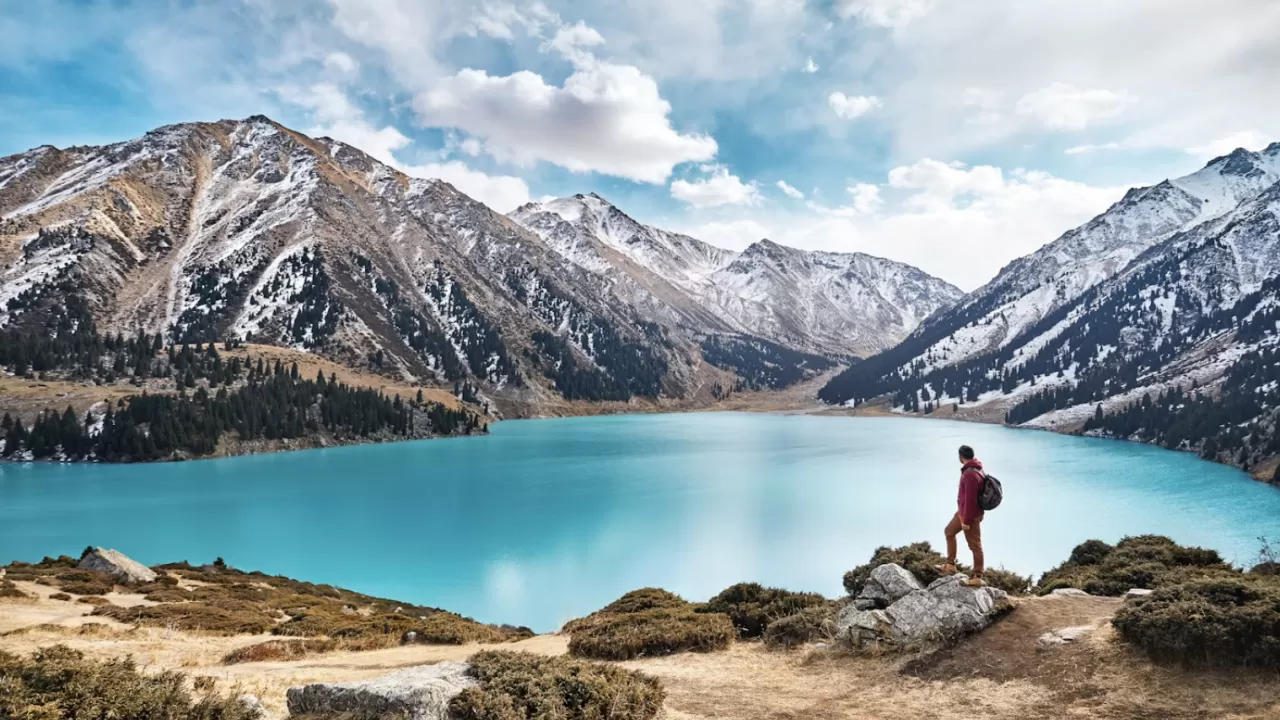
<point>648,633</point>
<point>58,682</point>
<point>523,686</point>
<point>751,606</point>
<point>1090,552</point>
<point>1221,621</point>
<point>920,558</point>
<point>1144,561</point>
<point>86,588</point>
<point>811,624</point>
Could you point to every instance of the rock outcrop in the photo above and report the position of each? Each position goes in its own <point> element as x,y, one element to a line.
<point>419,693</point>
<point>1070,592</point>
<point>906,613</point>
<point>121,568</point>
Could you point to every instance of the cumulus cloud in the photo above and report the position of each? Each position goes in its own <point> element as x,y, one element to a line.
<point>810,66</point>
<point>1249,140</point>
<point>885,13</point>
<point>337,117</point>
<point>789,191</point>
<point>1090,148</point>
<point>1060,106</point>
<point>606,118</point>
<point>958,222</point>
<point>849,107</point>
<point>721,188</point>
<point>340,63</point>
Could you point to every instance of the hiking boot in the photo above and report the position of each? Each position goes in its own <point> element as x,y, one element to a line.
<point>946,568</point>
<point>973,582</point>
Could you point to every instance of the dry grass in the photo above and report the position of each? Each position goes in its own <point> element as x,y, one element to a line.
<point>649,633</point>
<point>524,686</point>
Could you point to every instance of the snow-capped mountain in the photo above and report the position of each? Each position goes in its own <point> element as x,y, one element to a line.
<point>828,303</point>
<point>1173,289</point>
<point>249,229</point>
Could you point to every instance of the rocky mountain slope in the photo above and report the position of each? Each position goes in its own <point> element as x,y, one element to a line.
<point>825,303</point>
<point>1165,301</point>
<point>249,230</point>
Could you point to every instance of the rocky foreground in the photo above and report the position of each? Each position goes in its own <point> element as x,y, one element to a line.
<point>905,644</point>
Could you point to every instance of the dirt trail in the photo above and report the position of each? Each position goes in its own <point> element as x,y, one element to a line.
<point>1001,673</point>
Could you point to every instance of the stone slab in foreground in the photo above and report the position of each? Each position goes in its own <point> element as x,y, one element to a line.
<point>918,615</point>
<point>420,693</point>
<point>121,568</point>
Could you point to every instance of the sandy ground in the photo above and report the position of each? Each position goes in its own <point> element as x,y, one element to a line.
<point>1001,673</point>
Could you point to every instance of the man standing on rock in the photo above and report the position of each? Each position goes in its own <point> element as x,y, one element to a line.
<point>968,518</point>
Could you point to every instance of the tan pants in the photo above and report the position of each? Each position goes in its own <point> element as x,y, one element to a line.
<point>973,536</point>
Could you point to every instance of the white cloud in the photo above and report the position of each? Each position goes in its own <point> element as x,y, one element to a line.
<point>1249,140</point>
<point>496,20</point>
<point>1194,73</point>
<point>885,13</point>
<point>789,191</point>
<point>1083,149</point>
<point>339,119</point>
<point>849,107</point>
<point>340,63</point>
<point>570,39</point>
<point>1060,106</point>
<point>810,66</point>
<point>958,222</point>
<point>866,197</point>
<point>721,188</point>
<point>606,118</point>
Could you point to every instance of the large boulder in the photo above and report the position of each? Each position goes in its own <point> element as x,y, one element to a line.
<point>923,616</point>
<point>418,693</point>
<point>121,568</point>
<point>886,585</point>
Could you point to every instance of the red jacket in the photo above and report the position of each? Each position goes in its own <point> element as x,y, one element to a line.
<point>970,484</point>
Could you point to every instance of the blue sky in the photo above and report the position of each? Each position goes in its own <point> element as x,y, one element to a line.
<point>955,135</point>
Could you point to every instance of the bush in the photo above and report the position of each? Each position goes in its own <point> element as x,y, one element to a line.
<point>1144,561</point>
<point>919,558</point>
<point>1090,552</point>
<point>1007,580</point>
<point>523,686</point>
<point>277,650</point>
<point>96,600</point>
<point>751,606</point>
<point>644,599</point>
<point>1211,622</point>
<point>225,618</point>
<point>60,596</point>
<point>648,633</point>
<point>811,624</point>
<point>58,682</point>
<point>634,601</point>
<point>9,590</point>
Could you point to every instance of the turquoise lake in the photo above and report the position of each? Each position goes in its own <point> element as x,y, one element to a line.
<point>546,520</point>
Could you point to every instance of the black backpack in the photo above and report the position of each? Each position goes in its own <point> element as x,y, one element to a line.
<point>991,492</point>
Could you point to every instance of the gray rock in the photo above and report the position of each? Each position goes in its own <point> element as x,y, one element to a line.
<point>865,603</point>
<point>121,569</point>
<point>944,610</point>
<point>1070,592</point>
<point>887,584</point>
<point>1062,636</point>
<point>1137,592</point>
<point>421,693</point>
<point>409,638</point>
<point>252,704</point>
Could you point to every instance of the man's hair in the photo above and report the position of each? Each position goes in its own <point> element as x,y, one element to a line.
<point>966,452</point>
